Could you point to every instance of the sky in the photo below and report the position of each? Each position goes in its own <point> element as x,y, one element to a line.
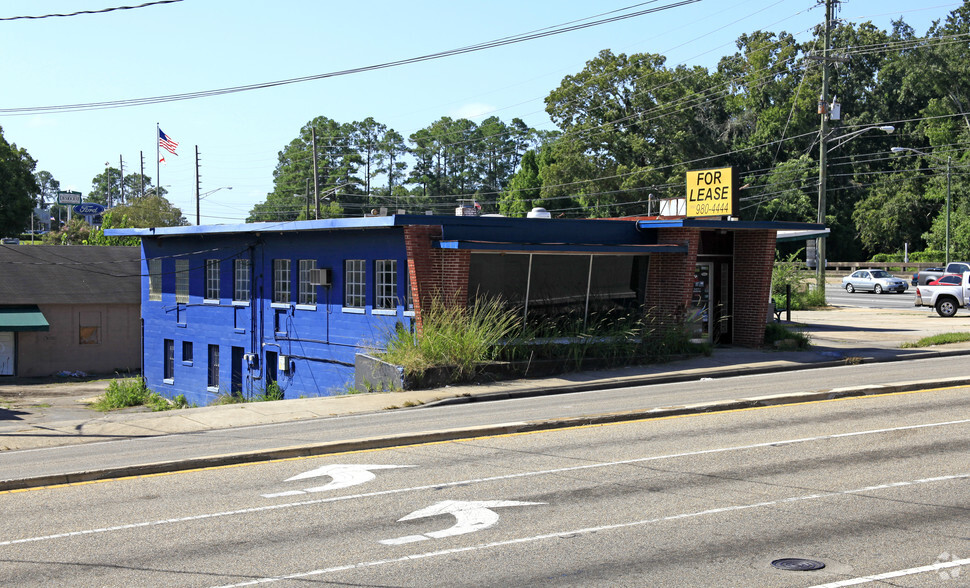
<point>188,46</point>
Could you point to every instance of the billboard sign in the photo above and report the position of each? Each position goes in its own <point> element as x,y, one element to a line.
<point>712,192</point>
<point>68,197</point>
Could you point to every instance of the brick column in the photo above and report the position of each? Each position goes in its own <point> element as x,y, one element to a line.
<point>754,259</point>
<point>435,274</point>
<point>670,279</point>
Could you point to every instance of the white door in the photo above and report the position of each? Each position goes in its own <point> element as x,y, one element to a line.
<point>6,353</point>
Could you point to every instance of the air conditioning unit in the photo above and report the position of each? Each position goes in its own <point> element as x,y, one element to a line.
<point>320,277</point>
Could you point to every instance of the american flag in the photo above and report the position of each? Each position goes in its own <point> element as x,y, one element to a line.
<point>166,142</point>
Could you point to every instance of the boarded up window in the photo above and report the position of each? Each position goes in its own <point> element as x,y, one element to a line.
<point>89,327</point>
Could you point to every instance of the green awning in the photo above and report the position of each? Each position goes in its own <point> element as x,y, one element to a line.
<point>22,318</point>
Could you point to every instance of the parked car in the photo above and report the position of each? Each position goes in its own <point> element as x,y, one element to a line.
<point>945,298</point>
<point>934,273</point>
<point>947,280</point>
<point>873,280</point>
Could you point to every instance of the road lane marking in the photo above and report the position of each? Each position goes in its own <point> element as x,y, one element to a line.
<point>342,476</point>
<point>440,485</point>
<point>936,567</point>
<point>590,530</point>
<point>470,516</point>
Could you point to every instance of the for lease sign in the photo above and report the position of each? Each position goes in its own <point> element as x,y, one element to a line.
<point>712,192</point>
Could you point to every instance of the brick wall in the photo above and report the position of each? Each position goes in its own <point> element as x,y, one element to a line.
<point>435,274</point>
<point>754,257</point>
<point>671,278</point>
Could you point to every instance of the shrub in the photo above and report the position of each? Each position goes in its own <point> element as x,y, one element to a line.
<point>775,332</point>
<point>453,336</point>
<point>133,392</point>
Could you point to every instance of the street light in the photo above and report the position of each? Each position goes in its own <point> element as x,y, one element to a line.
<point>199,197</point>
<point>822,186</point>
<point>937,157</point>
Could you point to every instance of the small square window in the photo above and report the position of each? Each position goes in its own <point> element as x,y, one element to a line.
<point>186,352</point>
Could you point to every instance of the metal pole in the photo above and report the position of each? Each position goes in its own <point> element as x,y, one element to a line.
<point>316,183</point>
<point>948,210</point>
<point>198,217</point>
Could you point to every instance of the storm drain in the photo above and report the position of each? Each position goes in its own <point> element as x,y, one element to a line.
<point>797,564</point>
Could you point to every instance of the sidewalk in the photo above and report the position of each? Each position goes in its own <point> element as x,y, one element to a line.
<point>46,415</point>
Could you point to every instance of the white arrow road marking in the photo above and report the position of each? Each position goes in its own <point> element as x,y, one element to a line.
<point>343,475</point>
<point>470,516</point>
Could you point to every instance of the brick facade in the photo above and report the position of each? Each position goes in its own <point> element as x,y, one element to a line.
<point>754,255</point>
<point>435,274</point>
<point>670,278</point>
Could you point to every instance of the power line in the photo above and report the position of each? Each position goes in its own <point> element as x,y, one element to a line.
<point>80,12</point>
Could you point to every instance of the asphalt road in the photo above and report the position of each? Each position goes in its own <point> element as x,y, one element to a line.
<point>875,485</point>
<point>836,296</point>
<point>111,454</point>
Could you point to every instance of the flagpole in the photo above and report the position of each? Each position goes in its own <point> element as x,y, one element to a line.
<point>158,164</point>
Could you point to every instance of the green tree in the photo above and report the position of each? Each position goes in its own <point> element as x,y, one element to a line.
<point>18,188</point>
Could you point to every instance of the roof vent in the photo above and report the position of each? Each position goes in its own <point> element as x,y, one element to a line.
<point>539,212</point>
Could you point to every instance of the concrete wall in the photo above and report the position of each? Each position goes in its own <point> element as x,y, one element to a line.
<point>115,348</point>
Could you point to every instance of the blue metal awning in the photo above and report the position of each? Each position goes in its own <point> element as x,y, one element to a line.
<point>565,248</point>
<point>735,225</point>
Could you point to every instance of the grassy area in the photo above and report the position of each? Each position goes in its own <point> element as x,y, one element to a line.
<point>940,339</point>
<point>133,392</point>
<point>782,337</point>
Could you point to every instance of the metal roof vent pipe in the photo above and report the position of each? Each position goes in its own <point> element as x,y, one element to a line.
<point>539,212</point>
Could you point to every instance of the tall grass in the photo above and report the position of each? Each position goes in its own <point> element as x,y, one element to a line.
<point>454,337</point>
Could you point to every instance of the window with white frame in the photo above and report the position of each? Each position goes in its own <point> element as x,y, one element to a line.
<point>307,292</point>
<point>212,279</point>
<point>355,283</point>
<point>281,281</point>
<point>385,284</point>
<point>154,279</point>
<point>182,280</point>
<point>240,291</point>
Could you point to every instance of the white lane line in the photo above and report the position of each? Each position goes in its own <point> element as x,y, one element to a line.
<point>258,509</point>
<point>897,574</point>
<point>589,530</point>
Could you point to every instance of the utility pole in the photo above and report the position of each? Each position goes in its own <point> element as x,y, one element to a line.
<point>141,174</point>
<point>121,177</point>
<point>316,183</point>
<point>198,217</point>
<point>823,110</point>
<point>306,197</point>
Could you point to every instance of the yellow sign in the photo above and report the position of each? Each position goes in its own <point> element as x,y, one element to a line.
<point>712,192</point>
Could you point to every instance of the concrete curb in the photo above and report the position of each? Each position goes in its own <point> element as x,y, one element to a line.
<point>469,432</point>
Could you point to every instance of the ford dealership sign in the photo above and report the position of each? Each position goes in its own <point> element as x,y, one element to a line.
<point>89,208</point>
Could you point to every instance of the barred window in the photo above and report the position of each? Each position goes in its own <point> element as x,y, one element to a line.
<point>307,292</point>
<point>385,285</point>
<point>355,283</point>
<point>154,279</point>
<point>281,281</point>
<point>241,281</point>
<point>212,279</point>
<point>182,280</point>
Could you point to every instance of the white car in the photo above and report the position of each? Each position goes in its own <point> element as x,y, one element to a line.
<point>873,280</point>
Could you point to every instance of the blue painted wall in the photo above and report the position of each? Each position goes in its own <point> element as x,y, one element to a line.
<point>320,341</point>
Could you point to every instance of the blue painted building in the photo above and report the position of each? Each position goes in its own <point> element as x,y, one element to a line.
<point>228,309</point>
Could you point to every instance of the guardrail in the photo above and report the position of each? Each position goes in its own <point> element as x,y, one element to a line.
<point>842,268</point>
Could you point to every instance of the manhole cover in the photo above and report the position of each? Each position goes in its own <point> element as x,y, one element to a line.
<point>797,564</point>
